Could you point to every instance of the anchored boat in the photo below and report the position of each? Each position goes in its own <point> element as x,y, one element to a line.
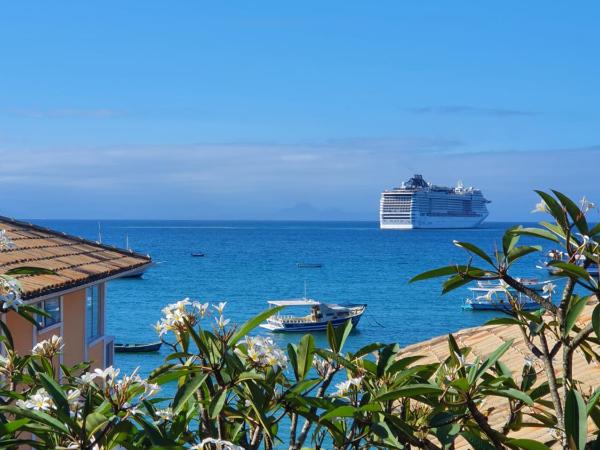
<point>137,348</point>
<point>494,296</point>
<point>318,316</point>
<point>561,256</point>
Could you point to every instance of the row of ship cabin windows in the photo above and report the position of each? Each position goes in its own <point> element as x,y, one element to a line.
<point>52,310</point>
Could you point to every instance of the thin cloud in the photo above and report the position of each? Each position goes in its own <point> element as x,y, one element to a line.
<point>64,113</point>
<point>463,110</point>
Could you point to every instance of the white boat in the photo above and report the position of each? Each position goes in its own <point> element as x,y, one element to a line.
<point>419,204</point>
<point>316,319</point>
<point>559,255</point>
<point>494,295</point>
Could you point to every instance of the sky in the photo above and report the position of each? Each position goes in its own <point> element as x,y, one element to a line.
<point>292,110</point>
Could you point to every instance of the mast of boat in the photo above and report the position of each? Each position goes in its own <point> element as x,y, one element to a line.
<point>127,241</point>
<point>99,233</point>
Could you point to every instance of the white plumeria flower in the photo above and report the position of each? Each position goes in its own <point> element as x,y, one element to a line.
<point>222,322</point>
<point>164,414</point>
<point>201,307</point>
<point>150,389</point>
<point>87,378</point>
<point>586,205</point>
<point>5,242</point>
<point>220,307</point>
<point>529,360</point>
<point>10,293</point>
<point>263,352</point>
<point>48,347</point>
<point>12,301</point>
<point>40,401</point>
<point>540,207</point>
<point>219,444</point>
<point>110,373</point>
<point>549,288</point>
<point>344,386</point>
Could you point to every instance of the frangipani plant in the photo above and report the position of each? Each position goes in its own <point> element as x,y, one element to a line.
<point>224,387</point>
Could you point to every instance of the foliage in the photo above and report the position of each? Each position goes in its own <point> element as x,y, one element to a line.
<point>235,389</point>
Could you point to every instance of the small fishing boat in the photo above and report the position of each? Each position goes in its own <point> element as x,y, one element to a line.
<point>197,254</point>
<point>494,296</point>
<point>138,273</point>
<point>558,255</point>
<point>137,348</point>
<point>317,318</point>
<point>309,265</point>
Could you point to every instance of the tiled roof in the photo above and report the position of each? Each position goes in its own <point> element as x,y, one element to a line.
<point>76,261</point>
<point>484,340</point>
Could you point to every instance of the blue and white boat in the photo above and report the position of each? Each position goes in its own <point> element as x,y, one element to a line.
<point>558,255</point>
<point>494,296</point>
<point>316,319</point>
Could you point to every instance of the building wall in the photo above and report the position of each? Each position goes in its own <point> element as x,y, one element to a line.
<point>72,328</point>
<point>22,332</point>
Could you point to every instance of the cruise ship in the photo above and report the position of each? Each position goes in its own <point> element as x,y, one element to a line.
<point>419,204</point>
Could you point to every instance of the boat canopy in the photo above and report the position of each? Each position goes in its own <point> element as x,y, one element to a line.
<point>294,302</point>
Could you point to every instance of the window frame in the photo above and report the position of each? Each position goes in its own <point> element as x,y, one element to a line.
<point>93,314</point>
<point>41,320</point>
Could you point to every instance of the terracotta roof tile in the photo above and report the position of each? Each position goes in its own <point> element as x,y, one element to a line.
<point>484,340</point>
<point>75,260</point>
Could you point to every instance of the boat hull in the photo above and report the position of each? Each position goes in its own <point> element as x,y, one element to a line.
<point>440,222</point>
<point>137,348</point>
<point>304,327</point>
<point>499,307</point>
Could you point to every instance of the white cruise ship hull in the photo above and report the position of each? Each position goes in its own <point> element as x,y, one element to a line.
<point>431,222</point>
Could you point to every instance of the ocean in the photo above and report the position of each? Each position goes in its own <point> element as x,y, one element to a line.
<point>247,263</point>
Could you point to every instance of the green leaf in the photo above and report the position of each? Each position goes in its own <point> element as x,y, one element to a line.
<point>370,348</point>
<point>186,391</point>
<point>519,252</point>
<point>491,359</point>
<point>37,416</point>
<point>253,323</point>
<point>410,390</point>
<point>575,420</point>
<point>476,441</point>
<point>576,214</point>
<point>7,334</point>
<point>596,321</point>
<point>537,232</point>
<point>337,335</point>
<point>593,400</point>
<point>94,421</point>
<point>441,272</point>
<point>555,209</point>
<point>454,283</point>
<point>340,411</point>
<point>12,426</point>
<point>217,403</point>
<point>571,270</point>
<point>575,308</point>
<point>528,444</point>
<point>510,239</point>
<point>514,394</point>
<point>58,396</point>
<point>504,321</point>
<point>476,250</point>
<point>305,352</point>
<point>26,270</point>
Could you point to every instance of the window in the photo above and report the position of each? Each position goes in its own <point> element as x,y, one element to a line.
<point>92,313</point>
<point>52,308</point>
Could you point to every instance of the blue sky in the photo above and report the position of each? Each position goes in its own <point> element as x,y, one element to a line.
<point>265,110</point>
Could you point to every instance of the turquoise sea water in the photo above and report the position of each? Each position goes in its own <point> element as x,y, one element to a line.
<point>247,263</point>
